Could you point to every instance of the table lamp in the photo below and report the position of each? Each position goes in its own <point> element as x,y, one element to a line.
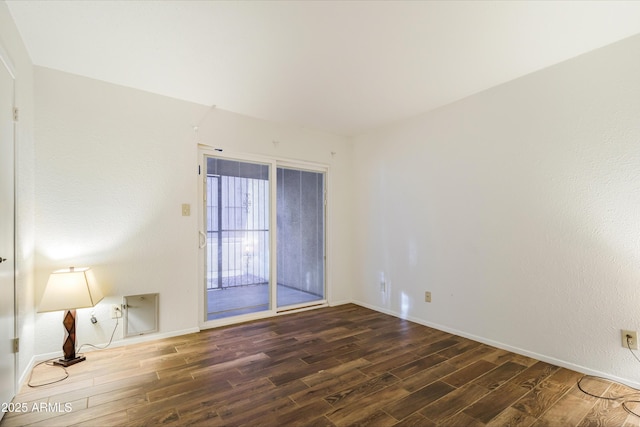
<point>67,290</point>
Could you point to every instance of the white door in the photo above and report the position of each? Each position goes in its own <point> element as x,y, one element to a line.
<point>238,224</point>
<point>7,290</point>
<point>300,209</point>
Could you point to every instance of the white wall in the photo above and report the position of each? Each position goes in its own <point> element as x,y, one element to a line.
<point>12,44</point>
<point>519,209</point>
<point>114,166</point>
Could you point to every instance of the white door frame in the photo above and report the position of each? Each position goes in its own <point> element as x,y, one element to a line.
<point>205,151</point>
<point>11,257</point>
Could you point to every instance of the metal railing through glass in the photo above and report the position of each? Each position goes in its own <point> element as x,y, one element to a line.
<point>237,231</point>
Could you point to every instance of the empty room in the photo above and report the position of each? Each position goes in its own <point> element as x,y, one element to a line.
<point>329,213</point>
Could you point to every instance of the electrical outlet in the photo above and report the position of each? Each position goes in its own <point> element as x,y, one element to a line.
<point>116,311</point>
<point>632,337</point>
<point>186,209</point>
<point>427,296</point>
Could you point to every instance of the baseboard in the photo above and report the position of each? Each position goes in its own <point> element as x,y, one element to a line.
<point>503,346</point>
<point>342,302</point>
<point>150,337</point>
<point>119,343</point>
<point>24,376</point>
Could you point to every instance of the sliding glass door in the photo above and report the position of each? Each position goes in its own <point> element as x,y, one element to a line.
<point>301,231</point>
<point>254,264</point>
<point>237,248</point>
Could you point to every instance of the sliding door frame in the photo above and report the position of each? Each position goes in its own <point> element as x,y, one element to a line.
<point>204,152</point>
<point>308,167</point>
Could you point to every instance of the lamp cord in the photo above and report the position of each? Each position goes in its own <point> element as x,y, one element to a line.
<point>49,362</point>
<point>106,345</point>
<point>625,397</point>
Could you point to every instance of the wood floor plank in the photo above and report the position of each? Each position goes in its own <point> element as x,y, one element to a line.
<point>267,366</point>
<point>266,410</point>
<point>287,351</point>
<point>40,393</point>
<point>456,350</point>
<point>391,361</point>
<point>541,398</point>
<point>462,419</point>
<point>238,363</point>
<point>171,389</point>
<point>471,356</point>
<point>366,406</point>
<point>563,375</point>
<point>415,420</point>
<point>534,375</point>
<point>498,376</point>
<point>235,405</point>
<point>164,361</point>
<point>376,419</point>
<point>342,368</point>
<point>116,419</point>
<point>454,402</point>
<point>417,400</point>
<point>112,388</point>
<point>89,414</point>
<point>140,412</point>
<point>469,373</point>
<point>124,374</point>
<point>197,413</point>
<point>113,396</point>
<point>334,352</point>
<point>332,384</point>
<point>299,372</point>
<point>427,376</point>
<point>633,419</point>
<point>34,416</point>
<point>158,418</point>
<point>206,406</point>
<point>513,418</point>
<point>501,356</point>
<point>495,402</point>
<point>437,346</point>
<point>302,415</point>
<point>322,421</point>
<point>352,394</point>
<point>569,410</point>
<point>418,365</point>
<point>382,352</point>
<point>607,412</point>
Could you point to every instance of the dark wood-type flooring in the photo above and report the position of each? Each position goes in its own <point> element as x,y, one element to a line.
<point>341,366</point>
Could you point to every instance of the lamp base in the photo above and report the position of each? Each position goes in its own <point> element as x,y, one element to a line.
<point>69,362</point>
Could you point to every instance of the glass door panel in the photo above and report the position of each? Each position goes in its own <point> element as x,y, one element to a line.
<point>300,244</point>
<point>237,251</point>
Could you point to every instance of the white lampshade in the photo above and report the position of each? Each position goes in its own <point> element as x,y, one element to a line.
<point>69,289</point>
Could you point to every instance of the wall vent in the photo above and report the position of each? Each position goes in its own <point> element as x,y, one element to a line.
<point>140,314</point>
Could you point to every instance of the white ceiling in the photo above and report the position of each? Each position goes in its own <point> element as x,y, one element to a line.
<point>339,66</point>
